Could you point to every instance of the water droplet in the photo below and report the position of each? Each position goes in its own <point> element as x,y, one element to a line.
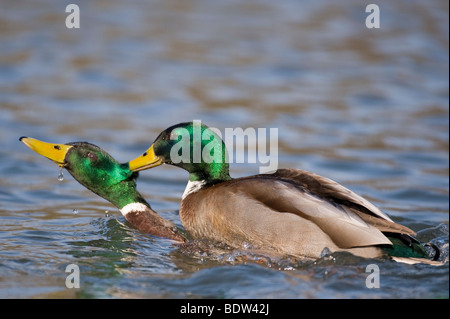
<point>325,252</point>
<point>60,176</point>
<point>106,213</point>
<point>75,211</point>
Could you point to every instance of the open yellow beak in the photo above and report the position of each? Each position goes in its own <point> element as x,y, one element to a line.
<point>55,152</point>
<point>145,161</point>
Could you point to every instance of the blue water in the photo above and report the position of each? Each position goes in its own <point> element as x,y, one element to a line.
<point>365,107</point>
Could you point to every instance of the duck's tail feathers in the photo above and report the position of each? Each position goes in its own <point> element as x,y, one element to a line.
<point>407,249</point>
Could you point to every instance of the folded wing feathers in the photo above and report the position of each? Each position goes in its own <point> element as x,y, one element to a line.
<point>346,228</point>
<point>326,187</point>
<point>344,215</point>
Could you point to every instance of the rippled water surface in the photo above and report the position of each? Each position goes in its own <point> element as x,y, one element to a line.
<point>365,107</point>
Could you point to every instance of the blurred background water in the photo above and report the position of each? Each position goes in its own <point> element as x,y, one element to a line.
<point>365,107</point>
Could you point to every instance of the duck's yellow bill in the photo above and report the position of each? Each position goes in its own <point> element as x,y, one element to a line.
<point>55,152</point>
<point>145,161</point>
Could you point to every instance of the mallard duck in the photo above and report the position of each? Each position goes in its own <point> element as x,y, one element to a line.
<point>292,211</point>
<point>99,172</point>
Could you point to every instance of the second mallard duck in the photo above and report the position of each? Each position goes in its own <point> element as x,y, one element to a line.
<point>291,211</point>
<point>99,172</point>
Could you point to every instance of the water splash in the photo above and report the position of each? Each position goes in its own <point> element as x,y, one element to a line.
<point>75,211</point>
<point>325,252</point>
<point>61,175</point>
<point>438,238</point>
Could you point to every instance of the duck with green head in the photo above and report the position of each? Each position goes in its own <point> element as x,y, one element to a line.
<point>291,211</point>
<point>99,172</point>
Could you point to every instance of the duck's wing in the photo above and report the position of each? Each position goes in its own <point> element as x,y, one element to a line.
<point>341,196</point>
<point>343,226</point>
<point>327,188</point>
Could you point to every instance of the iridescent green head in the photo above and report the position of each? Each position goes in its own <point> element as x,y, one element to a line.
<point>93,168</point>
<point>192,146</point>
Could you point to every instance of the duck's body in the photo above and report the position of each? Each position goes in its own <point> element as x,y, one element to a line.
<point>99,172</point>
<point>291,211</point>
